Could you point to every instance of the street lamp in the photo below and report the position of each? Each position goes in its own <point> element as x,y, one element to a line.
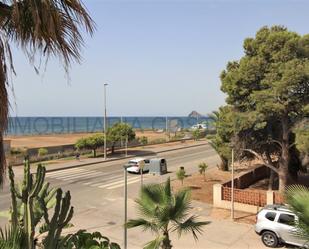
<point>125,234</point>
<point>232,187</point>
<point>105,85</point>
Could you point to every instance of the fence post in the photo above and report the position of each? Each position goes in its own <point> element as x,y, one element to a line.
<point>270,197</point>
<point>217,195</point>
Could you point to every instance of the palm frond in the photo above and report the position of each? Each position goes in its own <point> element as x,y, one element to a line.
<point>191,225</point>
<point>298,198</point>
<point>167,197</point>
<point>182,204</point>
<point>151,197</point>
<point>154,244</point>
<point>49,28</point>
<point>145,224</point>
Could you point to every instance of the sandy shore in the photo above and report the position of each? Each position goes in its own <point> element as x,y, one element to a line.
<point>37,141</point>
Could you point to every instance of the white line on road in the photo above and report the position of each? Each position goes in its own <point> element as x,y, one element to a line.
<point>117,182</point>
<point>73,174</point>
<point>84,175</point>
<point>63,172</point>
<point>96,183</point>
<point>120,185</point>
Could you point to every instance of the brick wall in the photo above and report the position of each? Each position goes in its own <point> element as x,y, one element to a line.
<point>248,178</point>
<point>278,198</point>
<point>250,197</point>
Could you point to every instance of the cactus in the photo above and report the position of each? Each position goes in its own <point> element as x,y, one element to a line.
<point>14,209</point>
<point>63,213</point>
<point>29,191</point>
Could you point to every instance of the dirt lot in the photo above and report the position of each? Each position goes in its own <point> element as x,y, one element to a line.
<point>203,191</point>
<point>63,139</point>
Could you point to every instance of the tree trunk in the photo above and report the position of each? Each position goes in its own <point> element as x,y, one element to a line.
<point>4,109</point>
<point>271,179</point>
<point>94,153</point>
<point>285,155</point>
<point>113,149</point>
<point>166,243</point>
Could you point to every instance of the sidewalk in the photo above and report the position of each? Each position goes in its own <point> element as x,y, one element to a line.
<point>219,234</point>
<point>148,150</point>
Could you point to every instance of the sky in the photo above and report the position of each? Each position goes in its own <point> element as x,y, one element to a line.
<point>159,58</point>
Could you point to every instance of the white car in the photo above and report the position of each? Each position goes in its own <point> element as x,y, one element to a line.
<point>275,224</point>
<point>137,164</point>
<point>199,127</point>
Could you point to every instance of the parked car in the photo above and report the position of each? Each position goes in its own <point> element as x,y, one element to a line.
<point>199,127</point>
<point>275,225</point>
<point>137,164</point>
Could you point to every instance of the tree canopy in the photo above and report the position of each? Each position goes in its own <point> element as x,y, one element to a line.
<point>268,93</point>
<point>91,143</point>
<point>118,132</point>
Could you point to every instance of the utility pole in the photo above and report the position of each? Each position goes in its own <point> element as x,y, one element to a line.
<point>105,124</point>
<point>121,139</point>
<point>167,131</point>
<point>125,232</point>
<point>232,187</point>
<point>126,145</point>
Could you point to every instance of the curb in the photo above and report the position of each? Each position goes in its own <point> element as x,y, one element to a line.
<point>118,159</point>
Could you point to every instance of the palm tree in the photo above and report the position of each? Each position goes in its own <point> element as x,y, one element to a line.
<point>202,169</point>
<point>164,212</point>
<point>298,198</point>
<point>181,174</point>
<point>43,29</point>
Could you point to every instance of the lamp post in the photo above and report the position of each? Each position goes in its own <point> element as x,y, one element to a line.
<point>127,145</point>
<point>105,124</point>
<point>232,187</point>
<point>125,234</point>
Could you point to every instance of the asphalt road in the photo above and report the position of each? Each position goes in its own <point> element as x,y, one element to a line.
<point>87,184</point>
<point>97,197</point>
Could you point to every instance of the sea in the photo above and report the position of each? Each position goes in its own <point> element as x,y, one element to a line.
<point>21,126</point>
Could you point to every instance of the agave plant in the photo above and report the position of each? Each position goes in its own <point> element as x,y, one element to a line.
<point>298,199</point>
<point>85,240</point>
<point>11,238</point>
<point>163,212</point>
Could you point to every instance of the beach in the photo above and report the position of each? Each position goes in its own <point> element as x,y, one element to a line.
<point>40,141</point>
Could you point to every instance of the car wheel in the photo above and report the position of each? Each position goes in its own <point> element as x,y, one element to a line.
<point>270,239</point>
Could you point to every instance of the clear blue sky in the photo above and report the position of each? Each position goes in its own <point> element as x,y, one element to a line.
<point>159,57</point>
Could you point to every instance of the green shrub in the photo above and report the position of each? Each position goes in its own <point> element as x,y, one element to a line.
<point>42,152</point>
<point>18,151</point>
<point>143,140</point>
<point>158,141</point>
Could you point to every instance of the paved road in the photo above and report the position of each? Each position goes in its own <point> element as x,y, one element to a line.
<point>97,195</point>
<point>107,178</point>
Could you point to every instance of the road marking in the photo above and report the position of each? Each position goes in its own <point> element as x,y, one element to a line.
<point>78,176</point>
<point>61,172</point>
<point>122,184</point>
<point>117,182</point>
<point>96,183</point>
<point>66,177</point>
